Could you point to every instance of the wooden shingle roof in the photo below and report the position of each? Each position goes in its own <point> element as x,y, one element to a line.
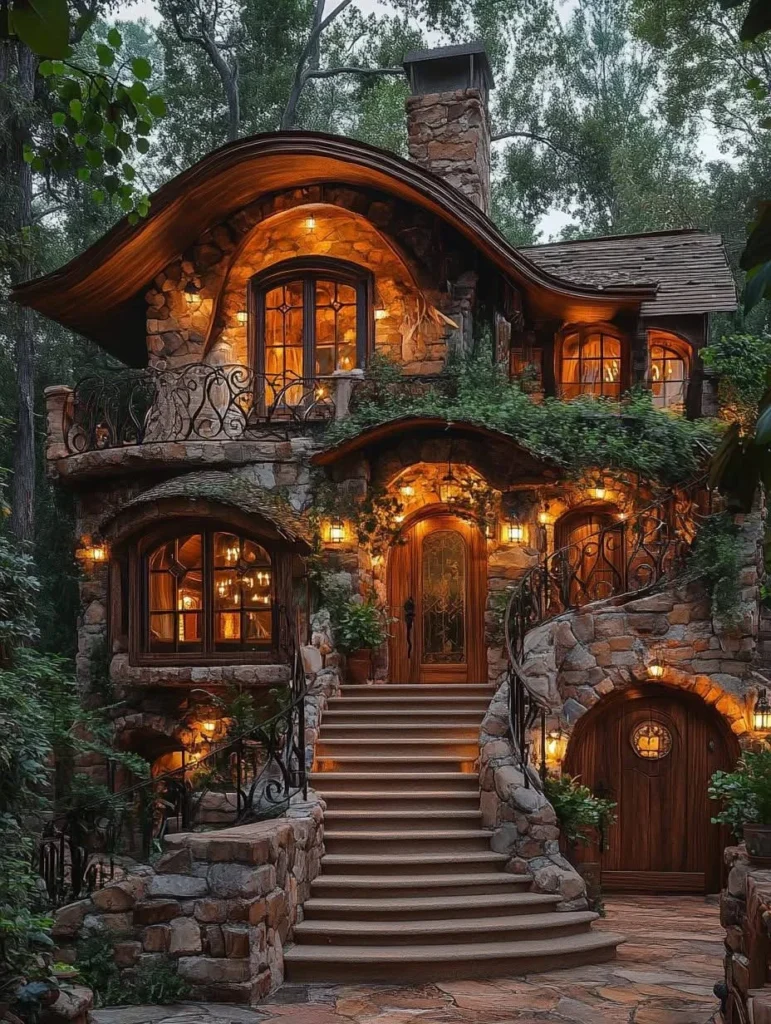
<point>689,267</point>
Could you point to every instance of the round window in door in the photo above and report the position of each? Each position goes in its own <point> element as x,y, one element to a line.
<point>444,598</point>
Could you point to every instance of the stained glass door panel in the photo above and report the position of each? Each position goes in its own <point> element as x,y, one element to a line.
<point>444,598</point>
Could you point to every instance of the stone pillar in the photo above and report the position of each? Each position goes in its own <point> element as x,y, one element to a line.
<point>448,124</point>
<point>59,403</point>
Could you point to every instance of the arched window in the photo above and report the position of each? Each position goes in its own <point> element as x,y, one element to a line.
<point>592,362</point>
<point>668,371</point>
<point>208,592</point>
<point>313,317</point>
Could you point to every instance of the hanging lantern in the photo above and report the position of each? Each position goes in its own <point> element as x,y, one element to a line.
<point>449,486</point>
<point>761,715</point>
<point>599,491</point>
<point>515,531</point>
<point>545,516</point>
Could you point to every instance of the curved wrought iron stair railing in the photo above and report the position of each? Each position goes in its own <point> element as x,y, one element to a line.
<point>259,771</point>
<point>628,557</point>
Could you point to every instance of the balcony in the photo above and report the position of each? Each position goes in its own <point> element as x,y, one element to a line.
<point>202,413</point>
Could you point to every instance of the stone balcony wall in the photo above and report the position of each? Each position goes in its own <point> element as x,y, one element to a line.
<point>218,906</point>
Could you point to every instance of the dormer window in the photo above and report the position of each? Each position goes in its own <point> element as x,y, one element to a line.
<point>313,318</point>
<point>592,362</point>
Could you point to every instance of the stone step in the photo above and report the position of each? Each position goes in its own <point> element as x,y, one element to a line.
<point>401,843</point>
<point>419,690</point>
<point>412,729</point>
<point>400,719</point>
<point>446,862</point>
<point>406,886</point>
<point>397,746</point>
<point>396,763</point>
<point>375,802</point>
<point>387,782</point>
<point>504,928</point>
<point>470,705</point>
<point>432,907</point>
<point>383,820</point>
<point>407,963</point>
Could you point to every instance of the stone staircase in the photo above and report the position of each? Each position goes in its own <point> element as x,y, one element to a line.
<point>410,889</point>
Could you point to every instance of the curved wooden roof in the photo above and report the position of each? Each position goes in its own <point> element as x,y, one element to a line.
<point>99,293</point>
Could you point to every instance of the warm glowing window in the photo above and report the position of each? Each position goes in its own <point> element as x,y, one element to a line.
<point>591,365</point>
<point>209,591</point>
<point>312,320</point>
<point>668,367</point>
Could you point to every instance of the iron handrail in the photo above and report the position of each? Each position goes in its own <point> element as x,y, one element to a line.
<point>629,556</point>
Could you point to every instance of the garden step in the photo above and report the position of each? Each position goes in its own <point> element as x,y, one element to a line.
<point>382,820</point>
<point>433,907</point>
<point>406,886</point>
<point>406,963</point>
<point>449,862</point>
<point>371,762</point>
<point>385,782</point>
<point>397,746</point>
<point>406,843</point>
<point>392,801</point>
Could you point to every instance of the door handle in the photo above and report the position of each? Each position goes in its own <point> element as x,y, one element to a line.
<point>409,621</point>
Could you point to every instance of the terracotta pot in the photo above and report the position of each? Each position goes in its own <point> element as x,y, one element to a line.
<point>358,665</point>
<point>758,841</point>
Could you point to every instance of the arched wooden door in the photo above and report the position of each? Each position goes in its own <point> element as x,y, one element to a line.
<point>595,559</point>
<point>436,590</point>
<point>653,751</point>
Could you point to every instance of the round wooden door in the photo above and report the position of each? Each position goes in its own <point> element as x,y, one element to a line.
<point>653,751</point>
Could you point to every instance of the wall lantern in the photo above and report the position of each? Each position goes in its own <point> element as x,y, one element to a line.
<point>407,491</point>
<point>191,292</point>
<point>310,222</point>
<point>656,670</point>
<point>556,745</point>
<point>544,516</point>
<point>761,715</point>
<point>599,491</point>
<point>93,549</point>
<point>381,313</point>
<point>98,551</point>
<point>209,728</point>
<point>515,531</point>
<point>337,531</point>
<point>242,316</point>
<point>490,529</point>
<point>449,486</point>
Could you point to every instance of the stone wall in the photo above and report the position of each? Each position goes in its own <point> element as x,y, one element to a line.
<point>424,276</point>
<point>448,133</point>
<point>524,821</point>
<point>745,913</point>
<point>218,906</point>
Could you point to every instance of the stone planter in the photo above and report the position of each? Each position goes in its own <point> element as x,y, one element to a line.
<point>757,839</point>
<point>358,666</point>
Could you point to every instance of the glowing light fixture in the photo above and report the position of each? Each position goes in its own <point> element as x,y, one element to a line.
<point>209,728</point>
<point>449,486</point>
<point>407,491</point>
<point>515,531</point>
<point>381,313</point>
<point>98,551</point>
<point>337,531</point>
<point>599,491</point>
<point>761,714</point>
<point>310,222</point>
<point>242,316</point>
<point>556,743</point>
<point>191,292</point>
<point>545,516</point>
<point>656,670</point>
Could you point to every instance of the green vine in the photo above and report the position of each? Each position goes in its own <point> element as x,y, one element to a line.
<point>630,436</point>
<point>716,559</point>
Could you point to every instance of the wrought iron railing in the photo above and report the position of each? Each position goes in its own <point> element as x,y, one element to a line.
<point>627,557</point>
<point>197,402</point>
<point>255,775</point>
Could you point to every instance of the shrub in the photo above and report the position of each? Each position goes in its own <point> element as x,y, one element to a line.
<point>745,793</point>
<point>579,812</point>
<point>155,982</point>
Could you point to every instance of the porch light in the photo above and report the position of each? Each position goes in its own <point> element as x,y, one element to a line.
<point>556,743</point>
<point>242,316</point>
<point>98,551</point>
<point>209,728</point>
<point>656,670</point>
<point>407,491</point>
<point>544,516</point>
<point>515,531</point>
<point>310,222</point>
<point>599,491</point>
<point>449,486</point>
<point>761,715</point>
<point>381,313</point>
<point>93,549</point>
<point>337,531</point>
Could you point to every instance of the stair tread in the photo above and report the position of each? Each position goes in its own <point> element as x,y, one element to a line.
<point>423,881</point>
<point>418,741</point>
<point>406,836</point>
<point>556,946</point>
<point>427,926</point>
<point>396,759</point>
<point>378,815</point>
<point>414,858</point>
<point>404,904</point>
<point>404,776</point>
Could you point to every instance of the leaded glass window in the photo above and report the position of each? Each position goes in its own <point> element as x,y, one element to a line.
<point>667,373</point>
<point>444,597</point>
<point>591,365</point>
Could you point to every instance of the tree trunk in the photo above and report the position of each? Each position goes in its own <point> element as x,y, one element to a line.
<point>23,482</point>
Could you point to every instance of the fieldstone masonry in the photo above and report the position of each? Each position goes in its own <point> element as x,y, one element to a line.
<point>219,906</point>
<point>449,133</point>
<point>745,913</point>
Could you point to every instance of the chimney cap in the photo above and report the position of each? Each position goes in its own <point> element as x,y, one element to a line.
<point>446,68</point>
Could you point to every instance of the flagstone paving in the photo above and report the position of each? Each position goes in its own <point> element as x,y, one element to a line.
<point>664,974</point>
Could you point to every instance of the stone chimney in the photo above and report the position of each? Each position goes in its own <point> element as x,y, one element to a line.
<point>448,123</point>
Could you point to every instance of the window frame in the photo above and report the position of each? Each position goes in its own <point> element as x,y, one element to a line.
<point>139,597</point>
<point>309,270</point>
<point>584,332</point>
<point>682,349</point>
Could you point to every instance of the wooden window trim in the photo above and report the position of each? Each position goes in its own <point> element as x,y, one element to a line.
<point>309,270</point>
<point>585,331</point>
<point>683,349</point>
<point>138,597</point>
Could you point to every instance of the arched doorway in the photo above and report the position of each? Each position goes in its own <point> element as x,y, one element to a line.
<point>593,541</point>
<point>436,594</point>
<point>653,750</point>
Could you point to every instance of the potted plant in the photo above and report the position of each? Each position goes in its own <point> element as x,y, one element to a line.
<point>745,795</point>
<point>359,627</point>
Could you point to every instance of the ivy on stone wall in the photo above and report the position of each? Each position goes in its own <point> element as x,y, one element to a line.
<point>716,559</point>
<point>630,436</point>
